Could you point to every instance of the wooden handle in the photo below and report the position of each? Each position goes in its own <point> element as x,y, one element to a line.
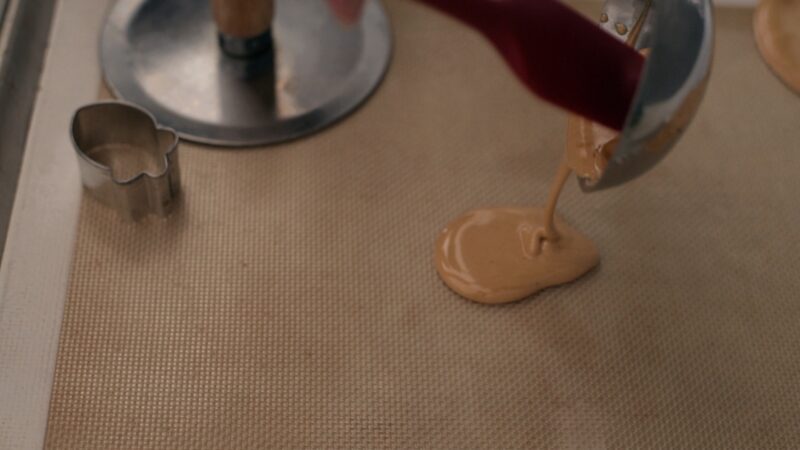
<point>243,18</point>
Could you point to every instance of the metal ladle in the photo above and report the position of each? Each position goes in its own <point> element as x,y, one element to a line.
<point>680,37</point>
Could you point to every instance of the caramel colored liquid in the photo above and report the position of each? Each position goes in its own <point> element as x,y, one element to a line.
<point>777,33</point>
<point>487,255</point>
<point>501,255</point>
<point>590,147</point>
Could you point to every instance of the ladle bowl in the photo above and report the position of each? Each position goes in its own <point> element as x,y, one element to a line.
<point>679,36</point>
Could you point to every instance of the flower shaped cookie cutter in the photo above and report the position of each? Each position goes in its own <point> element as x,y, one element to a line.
<point>127,161</point>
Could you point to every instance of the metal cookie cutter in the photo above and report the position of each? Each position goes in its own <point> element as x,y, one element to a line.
<point>127,161</point>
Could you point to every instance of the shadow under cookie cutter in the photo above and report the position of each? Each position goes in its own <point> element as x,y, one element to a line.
<point>127,161</point>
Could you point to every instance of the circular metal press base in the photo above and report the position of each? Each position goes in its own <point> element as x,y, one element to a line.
<point>165,57</point>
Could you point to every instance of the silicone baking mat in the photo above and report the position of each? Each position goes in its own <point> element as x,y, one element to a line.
<point>292,300</point>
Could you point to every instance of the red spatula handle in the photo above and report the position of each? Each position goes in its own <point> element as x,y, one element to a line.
<point>560,55</point>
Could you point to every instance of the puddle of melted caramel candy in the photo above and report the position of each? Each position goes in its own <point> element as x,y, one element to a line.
<point>497,255</point>
<point>486,255</point>
<point>776,24</point>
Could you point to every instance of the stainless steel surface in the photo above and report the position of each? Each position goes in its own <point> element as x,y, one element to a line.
<point>165,57</point>
<point>127,160</point>
<point>24,31</point>
<point>619,18</point>
<point>680,36</point>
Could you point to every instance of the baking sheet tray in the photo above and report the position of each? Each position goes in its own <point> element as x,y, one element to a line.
<point>292,300</point>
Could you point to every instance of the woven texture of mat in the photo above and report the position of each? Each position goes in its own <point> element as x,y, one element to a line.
<point>292,301</point>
